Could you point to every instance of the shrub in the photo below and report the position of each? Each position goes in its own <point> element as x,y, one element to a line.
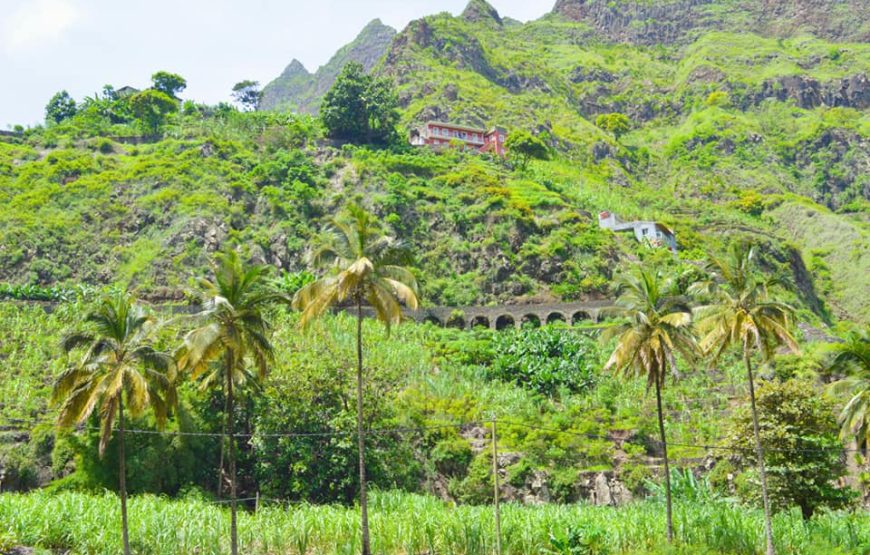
<point>545,359</point>
<point>807,459</point>
<point>452,456</point>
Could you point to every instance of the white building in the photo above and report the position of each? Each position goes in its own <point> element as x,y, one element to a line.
<point>654,233</point>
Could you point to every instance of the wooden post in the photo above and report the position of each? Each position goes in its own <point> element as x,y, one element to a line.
<point>495,489</point>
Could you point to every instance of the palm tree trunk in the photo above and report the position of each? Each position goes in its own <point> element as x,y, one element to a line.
<point>670,516</point>
<point>360,433</point>
<point>220,480</point>
<point>122,475</point>
<point>231,452</point>
<point>759,453</point>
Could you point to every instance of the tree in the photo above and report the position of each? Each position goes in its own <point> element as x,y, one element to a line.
<point>169,84</point>
<point>615,123</point>
<point>60,107</point>
<point>362,268</point>
<point>119,362</point>
<point>851,360</point>
<point>247,93</point>
<point>808,458</point>
<point>152,107</point>
<point>233,333</point>
<point>525,146</point>
<point>742,313</point>
<point>657,325</point>
<point>360,107</point>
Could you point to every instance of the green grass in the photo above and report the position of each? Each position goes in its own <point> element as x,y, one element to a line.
<point>411,524</point>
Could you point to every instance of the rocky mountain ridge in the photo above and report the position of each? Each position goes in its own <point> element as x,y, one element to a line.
<point>299,90</point>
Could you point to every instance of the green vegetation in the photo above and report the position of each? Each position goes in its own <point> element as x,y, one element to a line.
<point>657,327</point>
<point>805,460</point>
<point>360,108</point>
<point>718,139</point>
<point>168,83</point>
<point>247,93</point>
<point>851,361</point>
<point>407,523</point>
<point>119,367</point>
<point>524,146</point>
<point>230,341</point>
<point>363,264</point>
<point>60,107</point>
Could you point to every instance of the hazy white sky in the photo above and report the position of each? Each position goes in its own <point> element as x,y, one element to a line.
<point>80,45</point>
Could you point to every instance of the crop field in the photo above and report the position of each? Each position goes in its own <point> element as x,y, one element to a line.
<point>405,523</point>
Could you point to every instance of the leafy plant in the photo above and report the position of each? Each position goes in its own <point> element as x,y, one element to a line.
<point>545,359</point>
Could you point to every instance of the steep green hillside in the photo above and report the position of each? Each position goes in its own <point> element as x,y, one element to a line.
<point>729,133</point>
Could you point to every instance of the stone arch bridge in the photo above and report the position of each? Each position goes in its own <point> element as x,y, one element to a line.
<point>508,315</point>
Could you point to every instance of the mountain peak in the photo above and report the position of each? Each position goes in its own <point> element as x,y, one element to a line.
<point>300,90</point>
<point>376,25</point>
<point>294,68</point>
<point>480,11</point>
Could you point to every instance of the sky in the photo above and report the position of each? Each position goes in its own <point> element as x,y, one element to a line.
<point>80,45</point>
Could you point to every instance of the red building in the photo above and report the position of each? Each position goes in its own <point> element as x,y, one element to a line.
<point>440,134</point>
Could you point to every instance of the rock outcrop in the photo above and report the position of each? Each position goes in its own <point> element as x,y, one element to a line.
<point>676,21</point>
<point>481,11</point>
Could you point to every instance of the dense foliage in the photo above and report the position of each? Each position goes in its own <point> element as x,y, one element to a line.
<point>545,360</point>
<point>805,460</point>
<point>359,107</point>
<point>715,138</point>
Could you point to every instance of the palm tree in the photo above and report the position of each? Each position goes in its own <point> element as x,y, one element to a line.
<point>851,359</point>
<point>657,324</point>
<point>362,269</point>
<point>742,313</point>
<point>232,333</point>
<point>119,366</point>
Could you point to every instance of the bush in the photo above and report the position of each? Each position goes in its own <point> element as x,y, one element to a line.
<point>452,456</point>
<point>807,460</point>
<point>545,359</point>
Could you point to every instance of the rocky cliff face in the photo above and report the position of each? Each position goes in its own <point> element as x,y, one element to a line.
<point>298,90</point>
<point>676,21</point>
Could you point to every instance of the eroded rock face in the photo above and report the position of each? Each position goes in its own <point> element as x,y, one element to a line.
<point>808,93</point>
<point>676,21</point>
<point>635,22</point>
<point>603,488</point>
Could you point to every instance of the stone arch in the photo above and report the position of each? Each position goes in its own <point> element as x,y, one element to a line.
<point>580,316</point>
<point>554,317</point>
<point>533,319</point>
<point>478,321</point>
<point>504,321</point>
<point>432,320</point>
<point>456,321</point>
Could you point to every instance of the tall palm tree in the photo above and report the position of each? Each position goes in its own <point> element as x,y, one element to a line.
<point>119,366</point>
<point>657,324</point>
<point>232,333</point>
<point>362,268</point>
<point>851,360</point>
<point>742,312</point>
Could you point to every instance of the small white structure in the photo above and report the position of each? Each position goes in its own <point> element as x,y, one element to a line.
<point>654,233</point>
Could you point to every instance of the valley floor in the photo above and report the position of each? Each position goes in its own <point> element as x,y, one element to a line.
<point>402,523</point>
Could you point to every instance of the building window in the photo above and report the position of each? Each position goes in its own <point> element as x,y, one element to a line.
<point>643,231</point>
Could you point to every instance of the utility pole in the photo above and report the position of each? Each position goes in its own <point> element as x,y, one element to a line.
<point>495,489</point>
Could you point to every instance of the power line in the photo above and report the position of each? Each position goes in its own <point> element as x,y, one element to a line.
<point>446,425</point>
